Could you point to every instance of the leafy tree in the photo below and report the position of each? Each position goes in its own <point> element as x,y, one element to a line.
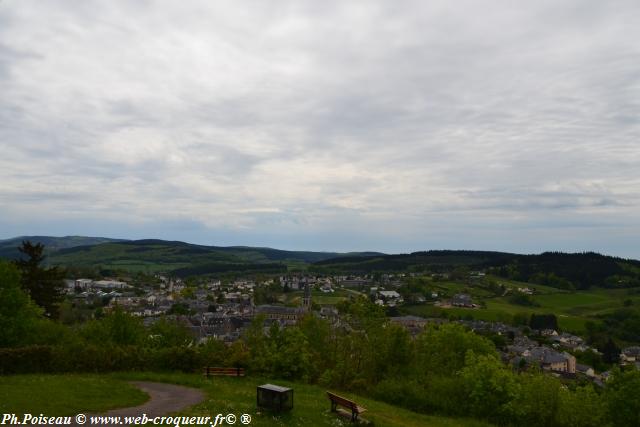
<point>363,314</point>
<point>543,321</point>
<point>520,319</point>
<point>581,408</point>
<point>165,333</point>
<point>291,356</point>
<point>18,314</point>
<point>623,401</point>
<point>258,344</point>
<point>489,387</point>
<point>523,299</point>
<point>441,350</point>
<point>180,309</point>
<point>118,328</point>
<point>44,285</point>
<point>610,352</point>
<point>537,399</point>
<point>624,324</point>
<point>388,353</point>
<point>322,344</point>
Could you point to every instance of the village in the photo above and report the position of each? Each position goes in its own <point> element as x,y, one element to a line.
<point>222,310</point>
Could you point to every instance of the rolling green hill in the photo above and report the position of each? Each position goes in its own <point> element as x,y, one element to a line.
<point>555,269</point>
<point>151,256</point>
<point>9,247</point>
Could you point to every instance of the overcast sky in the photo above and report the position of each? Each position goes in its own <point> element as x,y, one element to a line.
<point>324,125</point>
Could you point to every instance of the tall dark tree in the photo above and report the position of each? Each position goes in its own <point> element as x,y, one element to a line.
<point>44,285</point>
<point>543,321</point>
<point>611,352</point>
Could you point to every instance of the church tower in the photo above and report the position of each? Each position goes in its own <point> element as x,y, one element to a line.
<point>306,300</point>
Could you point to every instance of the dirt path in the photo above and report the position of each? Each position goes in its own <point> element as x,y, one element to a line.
<point>163,399</point>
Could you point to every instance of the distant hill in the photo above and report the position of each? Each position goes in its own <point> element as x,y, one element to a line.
<point>154,255</point>
<point>557,269</point>
<point>415,260</point>
<point>561,270</point>
<point>9,247</point>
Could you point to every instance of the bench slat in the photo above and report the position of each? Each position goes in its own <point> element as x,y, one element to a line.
<point>342,401</point>
<point>236,372</point>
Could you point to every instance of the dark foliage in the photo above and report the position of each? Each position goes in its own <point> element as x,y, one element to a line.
<point>543,321</point>
<point>44,285</point>
<point>25,360</point>
<point>560,270</point>
<point>226,268</point>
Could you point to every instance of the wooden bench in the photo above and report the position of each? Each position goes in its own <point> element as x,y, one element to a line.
<point>227,372</point>
<point>346,403</point>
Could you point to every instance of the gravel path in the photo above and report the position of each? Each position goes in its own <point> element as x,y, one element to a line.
<point>163,399</point>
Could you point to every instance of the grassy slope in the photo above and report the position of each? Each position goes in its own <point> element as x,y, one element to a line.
<point>61,395</point>
<point>158,255</point>
<point>9,247</point>
<point>320,298</point>
<point>573,309</point>
<point>311,406</point>
<point>148,257</point>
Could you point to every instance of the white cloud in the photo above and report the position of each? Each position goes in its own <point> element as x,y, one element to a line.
<point>402,125</point>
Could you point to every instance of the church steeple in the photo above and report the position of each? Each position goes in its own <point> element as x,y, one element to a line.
<point>306,299</point>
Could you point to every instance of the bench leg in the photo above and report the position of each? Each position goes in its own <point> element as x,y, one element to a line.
<point>333,406</point>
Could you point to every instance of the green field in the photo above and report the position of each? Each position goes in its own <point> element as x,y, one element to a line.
<point>311,406</point>
<point>573,309</point>
<point>320,298</point>
<point>61,395</point>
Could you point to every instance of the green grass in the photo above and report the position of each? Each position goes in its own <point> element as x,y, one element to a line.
<point>295,297</point>
<point>573,309</point>
<point>61,395</point>
<point>311,406</point>
<point>489,315</point>
<point>540,289</point>
<point>328,300</point>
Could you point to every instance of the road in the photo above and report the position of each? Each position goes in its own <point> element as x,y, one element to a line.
<point>163,399</point>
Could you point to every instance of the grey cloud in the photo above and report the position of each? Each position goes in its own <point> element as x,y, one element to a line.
<point>423,121</point>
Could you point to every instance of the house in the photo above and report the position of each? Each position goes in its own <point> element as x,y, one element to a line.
<point>354,283</point>
<point>329,312</point>
<point>326,288</point>
<point>585,370</point>
<point>603,378</point>
<point>109,284</point>
<point>212,286</point>
<point>279,312</point>
<point>390,298</point>
<point>462,300</point>
<point>551,360</point>
<point>567,340</point>
<point>200,294</point>
<point>521,344</point>
<point>83,283</point>
<point>630,355</point>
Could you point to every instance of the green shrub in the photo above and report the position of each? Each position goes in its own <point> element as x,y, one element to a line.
<point>185,359</point>
<point>21,360</point>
